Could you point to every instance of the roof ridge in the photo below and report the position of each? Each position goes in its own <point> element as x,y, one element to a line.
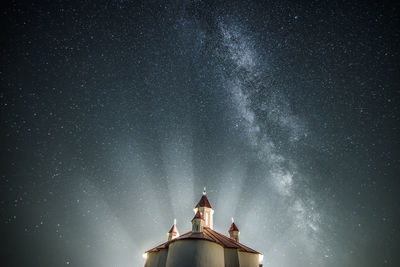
<point>221,237</point>
<point>235,243</point>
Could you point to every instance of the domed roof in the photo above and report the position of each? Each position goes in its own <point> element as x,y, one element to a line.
<point>210,235</point>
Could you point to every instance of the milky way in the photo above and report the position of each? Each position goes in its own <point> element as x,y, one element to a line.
<point>115,115</point>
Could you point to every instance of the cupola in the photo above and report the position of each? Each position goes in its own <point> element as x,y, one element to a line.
<point>173,233</point>
<point>197,223</point>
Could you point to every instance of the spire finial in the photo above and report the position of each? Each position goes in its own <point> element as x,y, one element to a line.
<point>174,221</point>
<point>204,192</point>
<point>233,220</point>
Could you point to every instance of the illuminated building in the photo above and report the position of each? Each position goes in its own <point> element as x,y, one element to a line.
<point>202,246</point>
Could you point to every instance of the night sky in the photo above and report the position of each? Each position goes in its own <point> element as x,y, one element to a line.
<point>115,115</point>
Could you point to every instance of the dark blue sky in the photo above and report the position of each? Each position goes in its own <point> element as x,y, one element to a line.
<point>116,114</point>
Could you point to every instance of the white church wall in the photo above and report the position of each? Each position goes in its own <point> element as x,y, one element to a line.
<point>152,259</point>
<point>248,259</point>
<point>231,257</point>
<point>195,253</point>
<point>157,259</point>
<point>162,261</point>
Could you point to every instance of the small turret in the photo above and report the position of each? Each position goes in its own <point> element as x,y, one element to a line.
<point>197,223</point>
<point>173,233</point>
<point>234,232</point>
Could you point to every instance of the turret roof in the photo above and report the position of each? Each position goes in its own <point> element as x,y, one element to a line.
<point>203,202</point>
<point>174,229</point>
<point>197,215</point>
<point>233,228</point>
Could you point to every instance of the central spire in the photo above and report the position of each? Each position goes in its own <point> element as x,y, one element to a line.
<point>205,209</point>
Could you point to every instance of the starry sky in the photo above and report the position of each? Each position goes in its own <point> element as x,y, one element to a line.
<point>116,114</point>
